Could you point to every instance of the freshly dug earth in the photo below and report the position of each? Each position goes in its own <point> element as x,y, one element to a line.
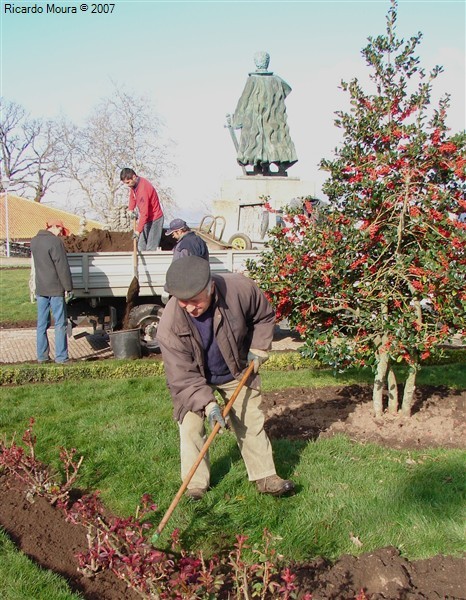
<point>438,419</point>
<point>101,240</point>
<point>303,413</point>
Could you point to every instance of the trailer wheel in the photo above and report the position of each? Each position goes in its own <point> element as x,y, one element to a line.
<point>146,317</point>
<point>240,241</point>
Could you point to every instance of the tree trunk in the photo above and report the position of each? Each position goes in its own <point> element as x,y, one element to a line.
<point>408,394</point>
<point>392,392</point>
<point>377,401</point>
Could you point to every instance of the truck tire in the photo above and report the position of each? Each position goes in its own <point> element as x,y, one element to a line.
<point>240,241</point>
<point>146,317</point>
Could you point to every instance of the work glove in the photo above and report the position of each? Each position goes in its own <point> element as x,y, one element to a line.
<point>135,235</point>
<point>214,414</point>
<point>133,214</point>
<point>258,356</point>
<point>69,296</point>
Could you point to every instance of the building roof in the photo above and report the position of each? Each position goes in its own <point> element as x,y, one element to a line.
<point>26,217</point>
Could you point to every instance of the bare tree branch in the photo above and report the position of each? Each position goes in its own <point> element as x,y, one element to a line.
<point>29,152</point>
<point>122,131</point>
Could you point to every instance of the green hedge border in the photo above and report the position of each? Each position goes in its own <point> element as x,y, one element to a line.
<point>123,369</point>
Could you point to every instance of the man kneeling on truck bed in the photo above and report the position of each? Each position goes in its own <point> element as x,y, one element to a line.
<point>213,325</point>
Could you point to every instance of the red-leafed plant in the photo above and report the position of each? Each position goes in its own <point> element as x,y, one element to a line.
<point>123,545</point>
<point>21,461</point>
<point>380,279</point>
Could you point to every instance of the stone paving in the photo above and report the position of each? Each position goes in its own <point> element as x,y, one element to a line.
<point>19,345</point>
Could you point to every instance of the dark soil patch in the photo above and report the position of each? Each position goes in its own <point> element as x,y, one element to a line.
<point>19,324</point>
<point>42,532</point>
<point>438,418</point>
<point>101,240</point>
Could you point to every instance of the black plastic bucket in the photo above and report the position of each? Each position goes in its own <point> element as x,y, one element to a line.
<point>126,343</point>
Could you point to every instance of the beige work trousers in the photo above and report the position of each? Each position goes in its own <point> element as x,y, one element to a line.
<point>246,419</point>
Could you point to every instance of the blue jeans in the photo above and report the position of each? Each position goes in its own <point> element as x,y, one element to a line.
<point>57,305</point>
<point>149,238</point>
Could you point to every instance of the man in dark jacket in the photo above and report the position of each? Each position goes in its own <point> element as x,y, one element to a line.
<point>52,280</point>
<point>187,242</point>
<point>210,329</point>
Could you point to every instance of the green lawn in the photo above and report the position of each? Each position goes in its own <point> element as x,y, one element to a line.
<point>15,303</point>
<point>125,432</point>
<point>121,423</point>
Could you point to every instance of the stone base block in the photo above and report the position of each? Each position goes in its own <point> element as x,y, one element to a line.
<point>241,201</point>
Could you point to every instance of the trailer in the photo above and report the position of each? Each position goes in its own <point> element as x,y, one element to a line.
<point>101,281</point>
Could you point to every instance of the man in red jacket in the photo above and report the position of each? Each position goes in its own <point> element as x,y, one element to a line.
<point>145,204</point>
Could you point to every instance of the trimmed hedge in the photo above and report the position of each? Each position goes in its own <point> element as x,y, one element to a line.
<point>53,373</point>
<point>114,369</point>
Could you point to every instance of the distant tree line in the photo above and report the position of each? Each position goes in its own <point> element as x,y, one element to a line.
<point>121,130</point>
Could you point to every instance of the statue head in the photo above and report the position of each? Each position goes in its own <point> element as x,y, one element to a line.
<point>262,60</point>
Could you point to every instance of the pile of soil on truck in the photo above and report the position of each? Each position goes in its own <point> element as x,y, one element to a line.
<point>101,240</point>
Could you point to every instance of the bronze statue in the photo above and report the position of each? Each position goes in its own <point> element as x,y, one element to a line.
<point>261,116</point>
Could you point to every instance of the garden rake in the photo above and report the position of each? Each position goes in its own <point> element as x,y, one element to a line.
<point>201,455</point>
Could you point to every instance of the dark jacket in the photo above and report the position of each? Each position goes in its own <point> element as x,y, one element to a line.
<point>53,275</point>
<point>243,319</point>
<point>190,245</point>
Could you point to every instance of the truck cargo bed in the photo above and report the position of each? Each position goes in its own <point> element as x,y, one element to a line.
<point>109,274</point>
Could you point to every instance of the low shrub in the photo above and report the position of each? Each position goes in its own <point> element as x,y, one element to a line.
<point>104,369</point>
<point>53,373</point>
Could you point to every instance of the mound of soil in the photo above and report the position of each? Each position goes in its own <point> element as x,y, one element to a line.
<point>101,240</point>
<point>438,420</point>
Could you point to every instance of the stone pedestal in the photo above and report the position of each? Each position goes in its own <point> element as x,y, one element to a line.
<point>241,203</point>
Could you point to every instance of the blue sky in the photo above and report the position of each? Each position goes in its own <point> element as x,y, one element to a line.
<point>192,60</point>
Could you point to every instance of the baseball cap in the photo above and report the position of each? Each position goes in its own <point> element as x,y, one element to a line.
<point>175,225</point>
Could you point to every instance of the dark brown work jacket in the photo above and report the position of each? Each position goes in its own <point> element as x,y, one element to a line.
<point>243,319</point>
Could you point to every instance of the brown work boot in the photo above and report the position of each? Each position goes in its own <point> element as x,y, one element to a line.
<point>274,485</point>
<point>195,493</point>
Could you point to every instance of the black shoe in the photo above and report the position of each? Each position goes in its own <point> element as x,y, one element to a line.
<point>275,485</point>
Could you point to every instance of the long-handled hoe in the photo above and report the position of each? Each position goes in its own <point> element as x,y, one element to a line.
<point>202,453</point>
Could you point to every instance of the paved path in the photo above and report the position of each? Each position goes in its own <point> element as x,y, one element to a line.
<point>19,345</point>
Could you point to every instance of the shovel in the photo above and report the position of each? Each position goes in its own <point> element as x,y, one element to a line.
<point>202,453</point>
<point>133,290</point>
